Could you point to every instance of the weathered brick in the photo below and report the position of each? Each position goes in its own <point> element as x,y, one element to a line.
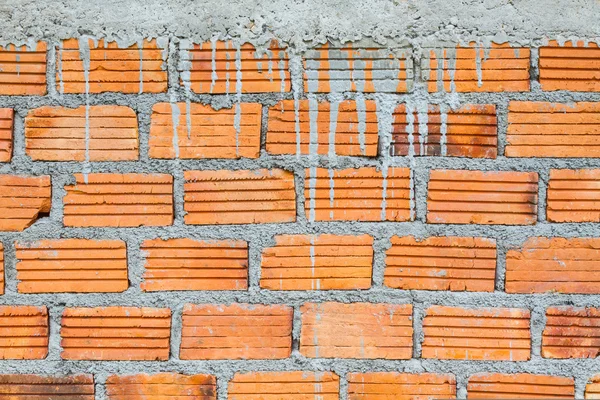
<point>237,331</point>
<point>395,385</point>
<point>496,68</point>
<point>39,387</point>
<point>356,330</point>
<point>469,131</point>
<point>187,264</point>
<point>554,265</point>
<point>161,386</point>
<point>520,386</point>
<point>119,200</point>
<point>227,67</point>
<point>23,333</point>
<point>191,130</point>
<point>345,128</point>
<point>107,67</point>
<point>570,66</point>
<point>115,333</point>
<point>454,333</point>
<point>239,197</point>
<point>571,333</point>
<point>317,262</point>
<point>23,70</point>
<point>22,200</point>
<point>358,194</point>
<point>441,263</point>
<point>71,265</point>
<point>592,389</point>
<point>6,132</point>
<point>94,133</point>
<point>480,197</point>
<point>573,195</point>
<point>284,385</point>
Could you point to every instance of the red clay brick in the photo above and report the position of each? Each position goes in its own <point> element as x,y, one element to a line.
<point>441,263</point>
<point>139,68</point>
<point>239,197</point>
<point>214,67</point>
<point>592,389</point>
<point>23,70</point>
<point>479,197</point>
<point>573,195</point>
<point>317,262</point>
<point>6,132</point>
<point>356,330</point>
<point>571,333</point>
<point>495,334</point>
<point>344,128</point>
<point>71,265</point>
<point>116,333</point>
<point>284,385</point>
<point>520,386</point>
<point>23,333</point>
<point>469,131</point>
<point>571,66</point>
<point>161,386</point>
<point>394,385</point>
<point>1,269</point>
<point>187,264</point>
<point>358,194</point>
<point>119,200</point>
<point>237,331</point>
<point>195,131</point>
<point>499,68</point>
<point>29,387</point>
<point>94,133</point>
<point>22,200</point>
<point>554,265</point>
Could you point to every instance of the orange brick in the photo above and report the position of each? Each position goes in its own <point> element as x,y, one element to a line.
<point>224,67</point>
<point>592,389</point>
<point>187,264</point>
<point>284,385</point>
<point>38,387</point>
<point>1,268</point>
<point>554,265</point>
<point>116,333</point>
<point>574,195</point>
<point>571,333</point>
<point>571,66</point>
<point>23,333</point>
<point>94,133</point>
<point>499,68</point>
<point>356,330</point>
<point>345,128</point>
<point>237,331</point>
<point>6,131</point>
<point>357,67</point>
<point>194,131</point>
<point>520,386</point>
<point>394,385</point>
<point>479,197</point>
<point>498,334</point>
<point>119,200</point>
<point>22,200</point>
<point>441,263</point>
<point>161,386</point>
<point>469,131</point>
<point>139,68</point>
<point>239,197</point>
<point>358,194</point>
<point>317,262</point>
<point>23,70</point>
<point>71,265</point>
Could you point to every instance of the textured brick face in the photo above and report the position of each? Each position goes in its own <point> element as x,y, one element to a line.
<point>284,385</point>
<point>23,70</point>
<point>520,386</point>
<point>592,389</point>
<point>571,333</point>
<point>34,387</point>
<point>571,66</point>
<point>574,195</point>
<point>394,385</point>
<point>161,386</point>
<point>24,333</point>
<point>6,134</point>
<point>22,200</point>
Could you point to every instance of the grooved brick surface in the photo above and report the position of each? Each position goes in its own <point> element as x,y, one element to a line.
<point>94,133</point>
<point>22,200</point>
<point>239,197</point>
<point>441,263</point>
<point>237,331</point>
<point>571,333</point>
<point>574,195</point>
<point>469,131</point>
<point>399,386</point>
<point>24,333</point>
<point>1,269</point>
<point>476,334</point>
<point>191,130</point>
<point>480,197</point>
<point>592,389</point>
<point>96,66</point>
<point>36,387</point>
<point>6,133</point>
<point>563,265</point>
<point>161,386</point>
<point>187,264</point>
<point>71,265</point>
<point>357,330</point>
<point>226,67</point>
<point>115,333</point>
<point>345,128</point>
<point>119,200</point>
<point>23,69</point>
<point>284,385</point>
<point>520,386</point>
<point>570,66</point>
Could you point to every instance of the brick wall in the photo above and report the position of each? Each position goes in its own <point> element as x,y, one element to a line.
<point>223,220</point>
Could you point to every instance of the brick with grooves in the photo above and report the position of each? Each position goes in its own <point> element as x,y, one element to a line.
<point>22,200</point>
<point>6,133</point>
<point>571,332</point>
<point>161,386</point>
<point>24,333</point>
<point>33,387</point>
<point>520,386</point>
<point>394,385</point>
<point>574,195</point>
<point>1,269</point>
<point>284,385</point>
<point>23,69</point>
<point>592,389</point>
<point>570,66</point>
